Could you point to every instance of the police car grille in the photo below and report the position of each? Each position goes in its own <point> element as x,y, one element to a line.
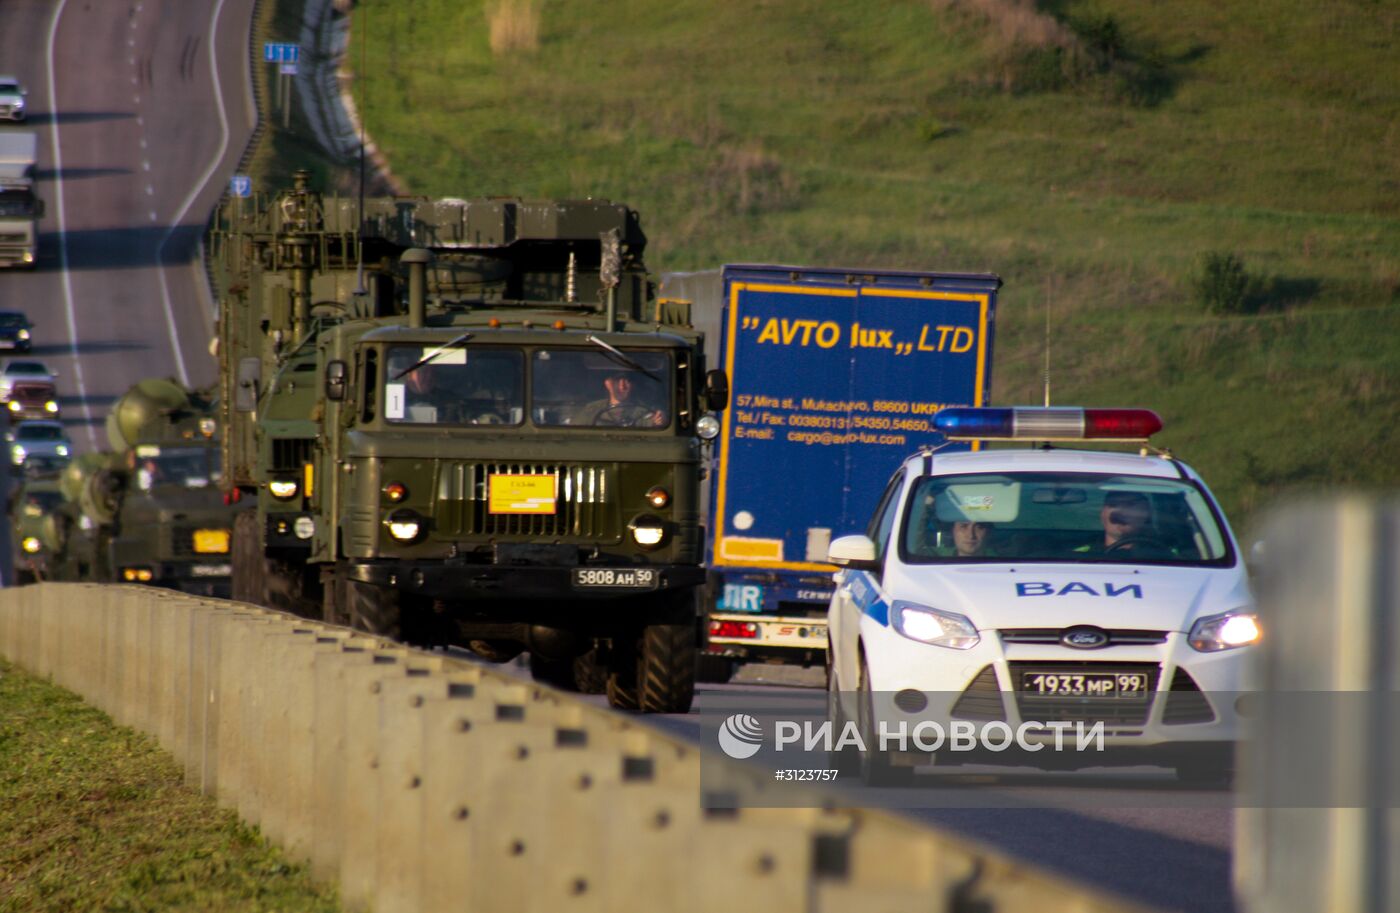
<point>585,505</point>
<point>1185,702</point>
<point>981,700</point>
<point>1117,637</point>
<point>1111,711</point>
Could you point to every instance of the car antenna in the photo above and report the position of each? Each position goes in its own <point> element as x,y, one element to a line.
<point>360,213</point>
<point>1047,345</point>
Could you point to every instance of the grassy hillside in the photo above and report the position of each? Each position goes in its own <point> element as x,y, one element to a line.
<point>1092,154</point>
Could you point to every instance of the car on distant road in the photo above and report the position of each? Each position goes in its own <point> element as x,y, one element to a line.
<point>15,330</point>
<point>30,399</point>
<point>41,438</point>
<point>1014,588</point>
<point>23,371</point>
<point>11,99</point>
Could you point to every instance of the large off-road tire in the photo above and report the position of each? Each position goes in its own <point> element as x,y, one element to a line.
<point>590,675</point>
<point>373,609</point>
<point>285,588</point>
<point>666,669</point>
<point>246,555</point>
<point>333,610</point>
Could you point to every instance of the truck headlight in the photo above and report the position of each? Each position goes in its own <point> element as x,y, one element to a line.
<point>1224,632</point>
<point>137,574</point>
<point>404,525</point>
<point>931,626</point>
<point>648,532</point>
<point>31,545</point>
<point>23,335</point>
<point>282,489</point>
<point>51,406</point>
<point>61,450</point>
<point>14,405</point>
<point>17,454</point>
<point>707,428</point>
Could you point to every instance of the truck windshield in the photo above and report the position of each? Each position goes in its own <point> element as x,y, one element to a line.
<point>1062,517</point>
<point>192,467</point>
<point>597,389</point>
<point>454,385</point>
<point>16,202</point>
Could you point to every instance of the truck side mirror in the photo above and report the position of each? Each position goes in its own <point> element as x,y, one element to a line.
<point>245,394</point>
<point>336,373</point>
<point>716,393</point>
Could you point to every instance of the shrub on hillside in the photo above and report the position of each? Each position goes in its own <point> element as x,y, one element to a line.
<point>1224,286</point>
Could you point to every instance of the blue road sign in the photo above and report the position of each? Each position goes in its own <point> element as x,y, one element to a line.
<point>281,52</point>
<point>241,185</point>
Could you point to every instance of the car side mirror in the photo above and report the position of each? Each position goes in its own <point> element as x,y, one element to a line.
<point>245,394</point>
<point>716,392</point>
<point>336,372</point>
<point>856,552</point>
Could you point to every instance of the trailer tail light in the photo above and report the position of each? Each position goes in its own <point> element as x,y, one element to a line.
<point>733,629</point>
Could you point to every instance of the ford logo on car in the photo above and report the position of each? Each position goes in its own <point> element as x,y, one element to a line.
<point>1084,638</point>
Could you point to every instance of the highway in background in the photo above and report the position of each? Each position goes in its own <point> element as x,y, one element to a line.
<point>142,111</point>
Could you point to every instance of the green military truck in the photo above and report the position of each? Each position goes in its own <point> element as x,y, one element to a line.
<point>35,527</point>
<point>150,509</point>
<point>469,422</point>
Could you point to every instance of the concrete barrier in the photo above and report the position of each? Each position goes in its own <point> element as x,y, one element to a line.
<point>422,783</point>
<point>1318,827</point>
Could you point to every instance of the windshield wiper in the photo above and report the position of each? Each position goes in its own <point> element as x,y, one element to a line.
<point>433,355</point>
<point>618,356</point>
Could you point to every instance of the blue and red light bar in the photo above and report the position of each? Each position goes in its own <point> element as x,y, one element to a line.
<point>1033,423</point>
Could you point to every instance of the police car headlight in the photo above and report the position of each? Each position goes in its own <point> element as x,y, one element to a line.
<point>707,428</point>
<point>404,525</point>
<point>930,626</point>
<point>1224,632</point>
<point>282,489</point>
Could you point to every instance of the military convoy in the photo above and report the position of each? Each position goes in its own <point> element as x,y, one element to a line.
<point>149,510</point>
<point>467,422</point>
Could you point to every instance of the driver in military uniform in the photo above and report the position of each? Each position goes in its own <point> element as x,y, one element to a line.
<point>623,405</point>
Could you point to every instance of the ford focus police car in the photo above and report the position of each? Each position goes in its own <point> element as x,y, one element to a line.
<point>1047,584</point>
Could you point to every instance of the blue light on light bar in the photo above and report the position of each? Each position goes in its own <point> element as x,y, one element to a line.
<point>1027,423</point>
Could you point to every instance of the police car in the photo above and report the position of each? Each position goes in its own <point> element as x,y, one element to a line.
<point>1041,584</point>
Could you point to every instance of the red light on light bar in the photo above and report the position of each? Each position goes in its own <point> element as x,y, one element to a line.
<point>1120,424</point>
<point>733,629</point>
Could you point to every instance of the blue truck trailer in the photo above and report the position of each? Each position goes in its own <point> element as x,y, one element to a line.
<point>835,376</point>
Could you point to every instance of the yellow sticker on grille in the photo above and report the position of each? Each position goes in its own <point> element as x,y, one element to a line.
<point>521,494</point>
<point>211,541</point>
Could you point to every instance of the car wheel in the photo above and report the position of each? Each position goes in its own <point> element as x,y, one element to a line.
<point>875,767</point>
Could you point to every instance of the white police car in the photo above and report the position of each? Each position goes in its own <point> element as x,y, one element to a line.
<point>1067,584</point>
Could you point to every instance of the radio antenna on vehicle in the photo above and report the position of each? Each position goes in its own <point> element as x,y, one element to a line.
<point>360,113</point>
<point>1048,296</point>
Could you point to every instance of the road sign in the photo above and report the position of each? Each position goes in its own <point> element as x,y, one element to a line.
<point>281,52</point>
<point>241,186</point>
<point>288,69</point>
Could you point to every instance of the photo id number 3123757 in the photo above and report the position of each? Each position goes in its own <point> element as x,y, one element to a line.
<point>803,775</point>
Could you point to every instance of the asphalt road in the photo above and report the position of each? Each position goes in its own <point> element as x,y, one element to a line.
<point>143,110</point>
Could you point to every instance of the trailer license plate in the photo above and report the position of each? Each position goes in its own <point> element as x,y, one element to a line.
<point>1126,685</point>
<point>639,578</point>
<point>211,541</point>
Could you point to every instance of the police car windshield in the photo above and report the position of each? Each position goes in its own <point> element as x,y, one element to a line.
<point>1061,517</point>
<point>453,384</point>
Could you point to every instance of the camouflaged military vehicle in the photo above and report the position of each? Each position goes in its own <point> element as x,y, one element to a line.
<point>35,526</point>
<point>471,422</point>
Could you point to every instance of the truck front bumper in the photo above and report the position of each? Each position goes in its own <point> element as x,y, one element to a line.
<point>439,580</point>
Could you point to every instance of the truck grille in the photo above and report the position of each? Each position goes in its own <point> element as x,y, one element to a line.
<point>291,452</point>
<point>585,506</point>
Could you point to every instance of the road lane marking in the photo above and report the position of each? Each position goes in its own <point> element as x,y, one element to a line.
<point>63,232</point>
<point>194,192</point>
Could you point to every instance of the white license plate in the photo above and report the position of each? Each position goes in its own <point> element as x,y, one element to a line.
<point>1126,685</point>
<point>627,578</point>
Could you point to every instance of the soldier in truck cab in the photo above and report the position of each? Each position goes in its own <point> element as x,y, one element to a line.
<point>624,404</point>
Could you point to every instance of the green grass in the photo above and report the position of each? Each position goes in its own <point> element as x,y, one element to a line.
<point>820,132</point>
<point>93,816</point>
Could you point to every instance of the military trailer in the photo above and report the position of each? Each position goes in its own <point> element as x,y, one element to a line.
<point>502,431</point>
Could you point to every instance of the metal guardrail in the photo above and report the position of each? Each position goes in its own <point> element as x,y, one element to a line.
<point>420,782</point>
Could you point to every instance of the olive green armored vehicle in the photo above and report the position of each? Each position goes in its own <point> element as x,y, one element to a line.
<point>468,422</point>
